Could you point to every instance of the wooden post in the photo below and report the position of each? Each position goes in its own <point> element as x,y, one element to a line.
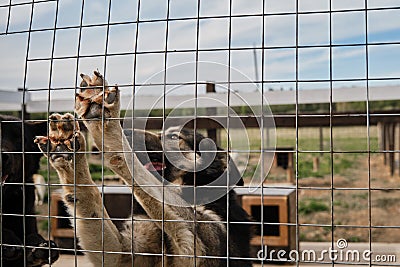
<point>290,169</point>
<point>321,141</point>
<point>391,131</point>
<point>381,136</point>
<point>398,145</point>
<point>315,164</point>
<point>385,143</point>
<point>212,133</point>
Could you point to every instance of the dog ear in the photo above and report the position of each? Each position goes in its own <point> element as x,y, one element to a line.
<point>234,174</point>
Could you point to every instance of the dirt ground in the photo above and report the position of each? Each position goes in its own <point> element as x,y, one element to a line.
<point>366,196</point>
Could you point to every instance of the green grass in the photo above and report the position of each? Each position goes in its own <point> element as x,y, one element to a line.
<point>44,225</point>
<point>341,164</point>
<point>340,144</point>
<point>344,139</point>
<point>96,171</point>
<point>352,140</point>
<point>312,205</point>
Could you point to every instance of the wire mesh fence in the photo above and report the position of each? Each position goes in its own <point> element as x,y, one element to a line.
<point>211,133</point>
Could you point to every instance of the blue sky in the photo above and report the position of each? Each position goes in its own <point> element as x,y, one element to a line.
<point>348,62</point>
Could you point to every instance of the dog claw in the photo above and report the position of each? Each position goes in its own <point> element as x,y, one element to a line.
<point>83,84</point>
<point>97,73</point>
<point>111,97</point>
<point>42,142</point>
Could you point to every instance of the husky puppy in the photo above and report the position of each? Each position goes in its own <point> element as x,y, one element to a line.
<point>226,207</point>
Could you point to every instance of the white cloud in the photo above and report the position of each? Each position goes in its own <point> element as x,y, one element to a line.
<point>182,35</point>
<point>346,4</point>
<point>214,8</point>
<point>19,18</point>
<point>382,3</point>
<point>313,29</point>
<point>95,12</point>
<point>312,5</point>
<point>384,20</point>
<point>155,9</point>
<point>243,7</point>
<point>43,15</point>
<point>13,51</point>
<point>280,6</point>
<point>151,36</point>
<point>213,33</point>
<point>280,30</point>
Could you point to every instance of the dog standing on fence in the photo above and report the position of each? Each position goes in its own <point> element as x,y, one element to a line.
<point>163,234</point>
<point>226,207</point>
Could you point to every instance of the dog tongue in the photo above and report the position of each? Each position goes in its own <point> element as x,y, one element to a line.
<point>154,166</point>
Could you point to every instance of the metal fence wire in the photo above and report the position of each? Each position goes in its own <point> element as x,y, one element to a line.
<point>274,122</point>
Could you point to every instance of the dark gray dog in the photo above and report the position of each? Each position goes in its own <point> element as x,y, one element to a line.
<point>18,196</point>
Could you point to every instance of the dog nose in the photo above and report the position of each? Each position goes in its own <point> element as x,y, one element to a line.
<point>54,253</point>
<point>12,253</point>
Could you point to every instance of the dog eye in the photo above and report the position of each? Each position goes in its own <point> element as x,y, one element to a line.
<point>173,136</point>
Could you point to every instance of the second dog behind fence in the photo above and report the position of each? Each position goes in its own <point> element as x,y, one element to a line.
<point>21,243</point>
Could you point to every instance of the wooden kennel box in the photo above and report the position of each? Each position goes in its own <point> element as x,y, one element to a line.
<point>276,208</point>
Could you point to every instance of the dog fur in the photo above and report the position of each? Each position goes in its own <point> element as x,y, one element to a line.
<point>240,231</point>
<point>240,228</point>
<point>160,234</point>
<point>17,184</point>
